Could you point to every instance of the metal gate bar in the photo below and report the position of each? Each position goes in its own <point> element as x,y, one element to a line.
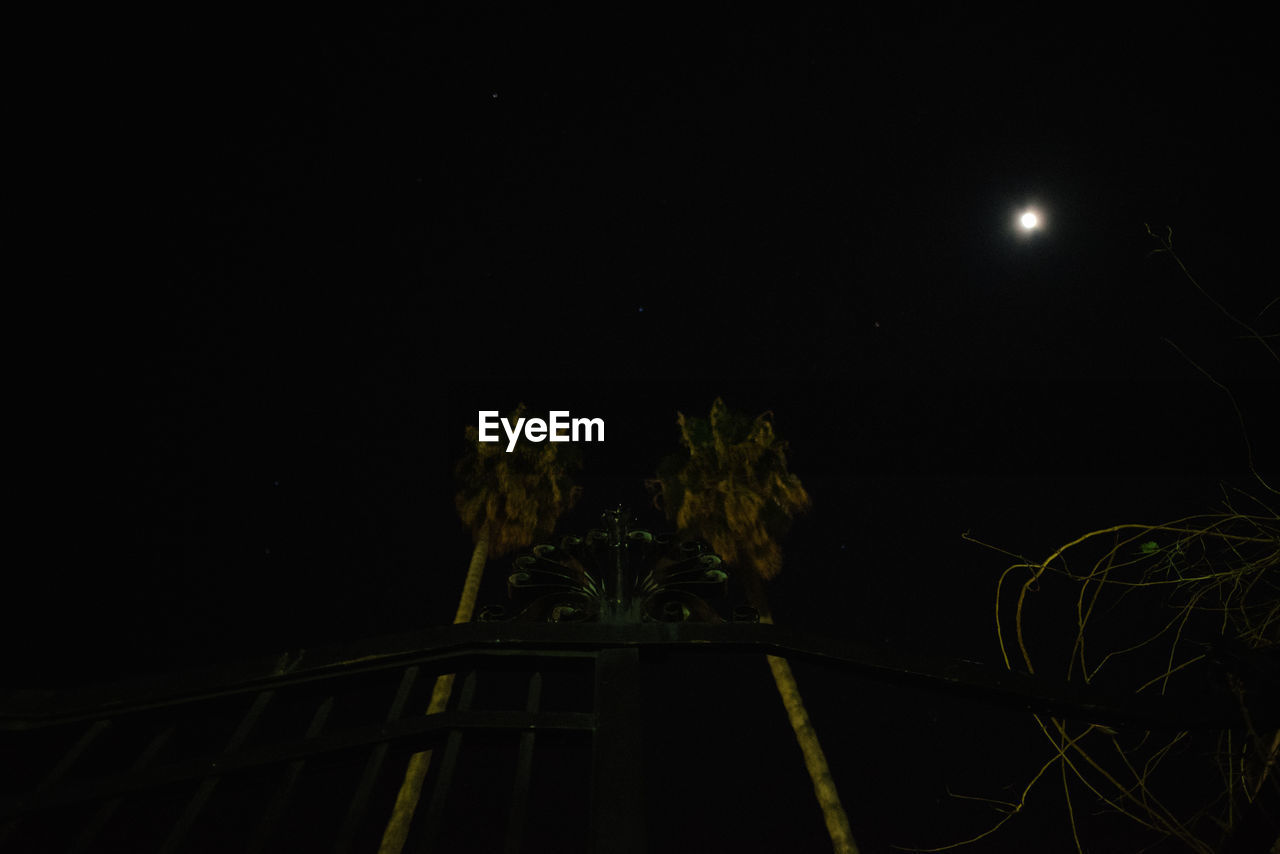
<point>64,764</point>
<point>524,770</point>
<point>289,780</point>
<point>617,786</point>
<point>377,756</point>
<point>197,803</point>
<point>425,840</point>
<point>107,810</point>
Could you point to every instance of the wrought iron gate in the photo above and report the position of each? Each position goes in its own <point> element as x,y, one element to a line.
<point>306,751</point>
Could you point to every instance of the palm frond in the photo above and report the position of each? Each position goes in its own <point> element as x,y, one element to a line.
<point>729,485</point>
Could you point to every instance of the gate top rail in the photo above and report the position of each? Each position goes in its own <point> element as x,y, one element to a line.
<point>476,643</point>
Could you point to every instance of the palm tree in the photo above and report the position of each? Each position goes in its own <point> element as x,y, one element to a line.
<point>507,500</point>
<point>730,486</point>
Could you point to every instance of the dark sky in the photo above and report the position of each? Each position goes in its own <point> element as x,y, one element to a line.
<point>290,260</point>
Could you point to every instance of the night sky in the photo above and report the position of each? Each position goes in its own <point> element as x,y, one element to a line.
<point>289,261</point>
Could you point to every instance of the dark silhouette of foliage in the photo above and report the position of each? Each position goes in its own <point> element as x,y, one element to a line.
<point>519,494</point>
<point>729,484</point>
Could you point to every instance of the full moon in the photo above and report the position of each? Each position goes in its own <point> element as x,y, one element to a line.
<point>1029,220</point>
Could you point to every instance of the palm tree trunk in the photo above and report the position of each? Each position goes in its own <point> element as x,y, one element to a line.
<point>824,786</point>
<point>397,830</point>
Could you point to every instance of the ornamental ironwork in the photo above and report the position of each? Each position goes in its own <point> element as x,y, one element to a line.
<point>617,573</point>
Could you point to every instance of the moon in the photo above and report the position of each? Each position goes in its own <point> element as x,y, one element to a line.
<point>1029,220</point>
